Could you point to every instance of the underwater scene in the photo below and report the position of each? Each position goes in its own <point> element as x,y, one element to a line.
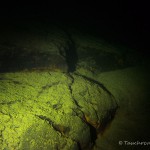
<point>68,87</point>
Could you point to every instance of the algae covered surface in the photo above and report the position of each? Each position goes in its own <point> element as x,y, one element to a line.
<point>60,89</point>
<point>50,110</point>
<point>44,102</point>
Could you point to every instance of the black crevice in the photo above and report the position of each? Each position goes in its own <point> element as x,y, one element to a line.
<point>10,103</point>
<point>47,86</point>
<point>56,128</point>
<point>71,54</point>
<point>45,118</point>
<point>97,83</point>
<point>93,133</point>
<point>79,146</point>
<point>71,91</point>
<point>106,122</point>
<point>59,128</point>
